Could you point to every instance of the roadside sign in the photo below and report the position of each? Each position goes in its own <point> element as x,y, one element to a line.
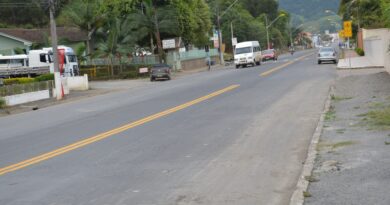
<point>143,70</point>
<point>348,29</point>
<point>234,41</point>
<point>169,44</point>
<point>341,34</point>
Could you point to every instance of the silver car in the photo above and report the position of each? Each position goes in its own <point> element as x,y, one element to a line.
<point>327,54</point>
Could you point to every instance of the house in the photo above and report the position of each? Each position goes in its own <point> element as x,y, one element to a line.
<point>27,39</point>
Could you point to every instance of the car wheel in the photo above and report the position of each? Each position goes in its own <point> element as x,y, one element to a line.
<point>169,78</point>
<point>258,63</point>
<point>335,62</point>
<point>319,62</point>
<point>244,65</point>
<point>237,66</point>
<point>151,79</point>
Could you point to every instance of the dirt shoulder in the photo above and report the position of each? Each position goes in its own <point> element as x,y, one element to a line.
<point>354,149</point>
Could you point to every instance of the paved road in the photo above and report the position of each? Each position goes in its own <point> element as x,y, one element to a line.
<point>223,137</point>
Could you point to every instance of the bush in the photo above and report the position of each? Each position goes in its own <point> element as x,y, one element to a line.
<point>2,103</point>
<point>359,51</point>
<point>45,77</point>
<point>12,81</point>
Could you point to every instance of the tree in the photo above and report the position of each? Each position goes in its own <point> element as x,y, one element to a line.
<point>153,19</point>
<point>194,21</point>
<point>258,7</point>
<point>117,40</point>
<point>85,15</point>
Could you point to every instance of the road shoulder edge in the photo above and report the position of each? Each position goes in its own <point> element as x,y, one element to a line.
<point>297,197</point>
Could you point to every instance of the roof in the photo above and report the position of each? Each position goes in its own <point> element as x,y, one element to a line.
<point>39,35</point>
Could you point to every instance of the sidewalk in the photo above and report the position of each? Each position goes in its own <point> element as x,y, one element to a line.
<point>354,61</point>
<point>353,161</point>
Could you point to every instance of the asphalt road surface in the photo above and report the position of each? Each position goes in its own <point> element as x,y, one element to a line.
<point>232,136</point>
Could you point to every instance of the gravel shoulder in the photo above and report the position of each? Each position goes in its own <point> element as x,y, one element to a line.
<point>354,152</point>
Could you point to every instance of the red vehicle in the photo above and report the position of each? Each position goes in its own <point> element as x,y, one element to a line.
<point>269,54</point>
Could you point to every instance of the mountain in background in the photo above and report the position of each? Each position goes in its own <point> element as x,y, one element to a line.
<point>312,13</point>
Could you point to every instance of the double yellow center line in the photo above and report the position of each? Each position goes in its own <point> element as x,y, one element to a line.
<point>266,73</point>
<point>110,133</point>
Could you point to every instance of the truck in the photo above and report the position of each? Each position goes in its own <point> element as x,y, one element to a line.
<point>38,62</point>
<point>247,53</point>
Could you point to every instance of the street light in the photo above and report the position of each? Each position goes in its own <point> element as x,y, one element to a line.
<point>269,25</point>
<point>221,60</point>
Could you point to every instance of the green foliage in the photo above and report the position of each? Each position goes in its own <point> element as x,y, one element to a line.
<point>2,103</point>
<point>359,51</point>
<point>45,77</point>
<point>12,81</point>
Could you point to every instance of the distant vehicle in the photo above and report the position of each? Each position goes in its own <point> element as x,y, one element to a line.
<point>160,71</point>
<point>269,54</point>
<point>247,53</point>
<point>327,54</point>
<point>38,62</point>
<point>45,57</point>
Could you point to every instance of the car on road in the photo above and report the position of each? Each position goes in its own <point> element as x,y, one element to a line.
<point>160,71</point>
<point>269,54</point>
<point>247,53</point>
<point>327,54</point>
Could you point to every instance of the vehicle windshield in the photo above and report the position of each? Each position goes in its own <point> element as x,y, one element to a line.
<point>268,51</point>
<point>72,58</point>
<point>326,50</point>
<point>244,50</point>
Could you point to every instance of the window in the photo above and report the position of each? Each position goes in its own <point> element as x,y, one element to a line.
<point>244,50</point>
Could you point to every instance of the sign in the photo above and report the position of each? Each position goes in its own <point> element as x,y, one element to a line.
<point>348,29</point>
<point>143,70</point>
<point>341,34</point>
<point>234,41</point>
<point>169,44</point>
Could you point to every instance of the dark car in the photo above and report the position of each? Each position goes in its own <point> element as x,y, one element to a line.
<point>160,71</point>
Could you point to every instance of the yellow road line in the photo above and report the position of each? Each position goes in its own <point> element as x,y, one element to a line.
<point>110,133</point>
<point>266,73</point>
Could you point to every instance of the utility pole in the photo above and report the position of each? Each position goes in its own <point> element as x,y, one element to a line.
<point>53,31</point>
<point>266,26</point>
<point>231,29</point>
<point>221,60</point>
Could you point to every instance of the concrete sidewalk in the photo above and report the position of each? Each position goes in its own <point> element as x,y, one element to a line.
<point>353,161</point>
<point>353,61</point>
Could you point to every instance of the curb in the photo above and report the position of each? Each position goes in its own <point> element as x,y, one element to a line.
<point>297,198</point>
<point>359,68</point>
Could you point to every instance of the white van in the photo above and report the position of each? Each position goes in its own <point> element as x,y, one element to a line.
<point>247,53</point>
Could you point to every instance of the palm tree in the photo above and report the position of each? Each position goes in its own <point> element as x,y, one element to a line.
<point>151,21</point>
<point>85,15</point>
<point>117,40</point>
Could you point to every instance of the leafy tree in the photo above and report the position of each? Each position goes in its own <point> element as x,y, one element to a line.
<point>194,21</point>
<point>258,7</point>
<point>85,15</point>
<point>152,20</point>
<point>117,40</point>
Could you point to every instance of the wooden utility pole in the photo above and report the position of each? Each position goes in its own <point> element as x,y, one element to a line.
<point>53,31</point>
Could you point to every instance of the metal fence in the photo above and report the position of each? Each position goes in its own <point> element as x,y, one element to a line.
<point>137,60</point>
<point>196,54</point>
<point>16,89</point>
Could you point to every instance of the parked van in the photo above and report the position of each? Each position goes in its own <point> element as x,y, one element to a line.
<point>247,53</point>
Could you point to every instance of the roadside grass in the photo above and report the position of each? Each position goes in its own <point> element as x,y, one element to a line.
<point>387,143</point>
<point>311,179</point>
<point>333,146</point>
<point>306,194</point>
<point>2,103</point>
<point>377,119</point>
<point>331,114</point>
<point>340,131</point>
<point>339,98</point>
<point>377,105</point>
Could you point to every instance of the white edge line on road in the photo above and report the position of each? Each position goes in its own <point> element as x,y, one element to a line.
<point>297,198</point>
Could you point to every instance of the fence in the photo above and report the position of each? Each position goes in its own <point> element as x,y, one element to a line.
<point>136,60</point>
<point>8,90</point>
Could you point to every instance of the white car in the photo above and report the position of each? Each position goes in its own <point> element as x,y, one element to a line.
<point>327,54</point>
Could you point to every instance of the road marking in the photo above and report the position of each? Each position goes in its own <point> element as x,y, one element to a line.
<point>266,73</point>
<point>110,133</point>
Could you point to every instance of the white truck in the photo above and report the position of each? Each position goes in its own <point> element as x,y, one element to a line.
<point>38,62</point>
<point>247,53</point>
